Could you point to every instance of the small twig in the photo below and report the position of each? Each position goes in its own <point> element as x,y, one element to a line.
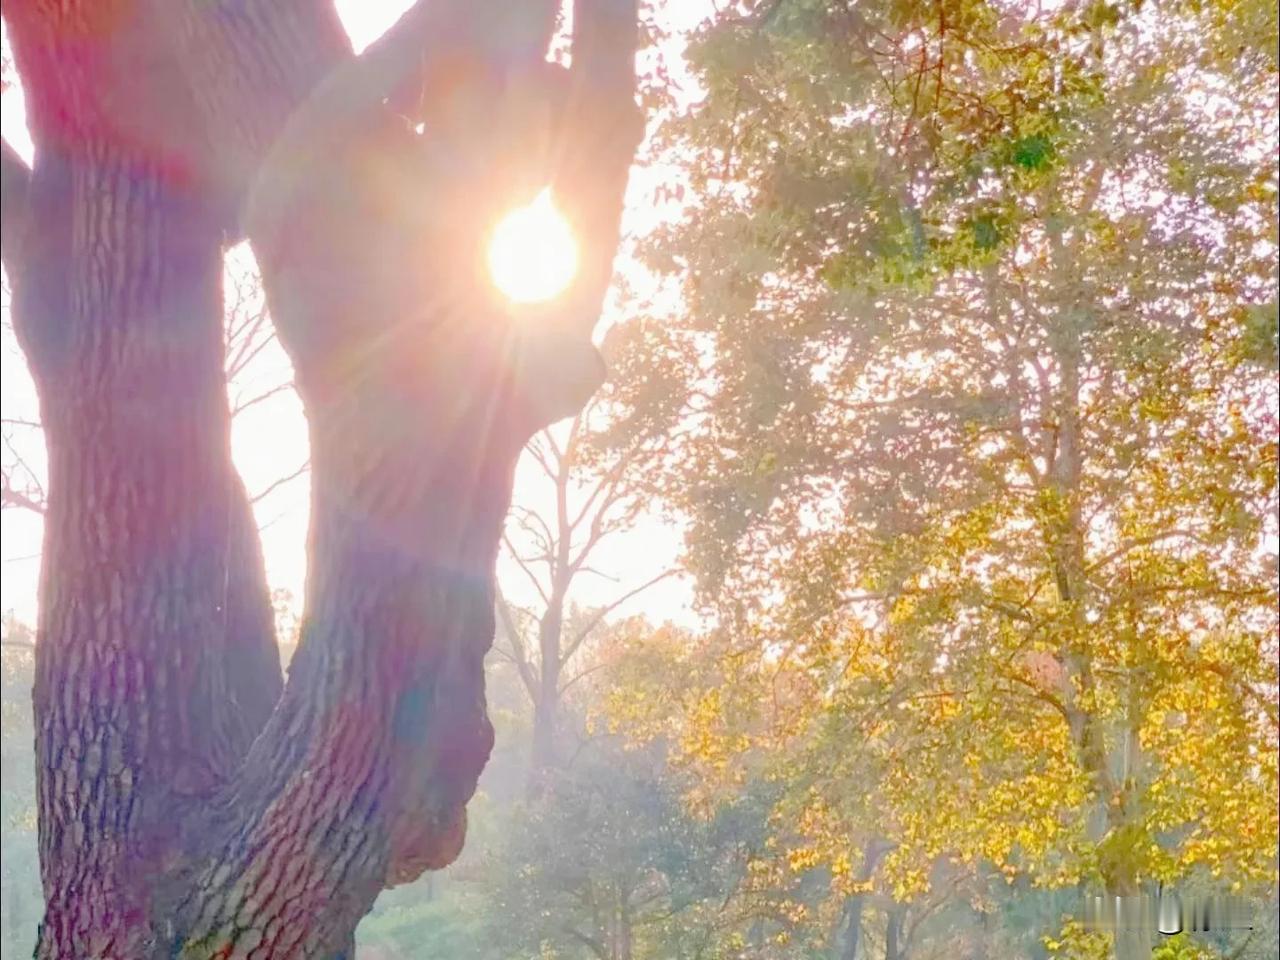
<point>271,488</point>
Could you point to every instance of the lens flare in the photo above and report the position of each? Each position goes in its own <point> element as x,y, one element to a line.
<point>533,255</point>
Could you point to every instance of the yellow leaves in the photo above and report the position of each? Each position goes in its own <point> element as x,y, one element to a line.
<point>945,736</point>
<point>902,610</point>
<point>795,913</point>
<point>707,742</point>
<point>840,866</point>
<point>1211,773</point>
<point>803,858</point>
<point>909,883</point>
<point>1077,942</point>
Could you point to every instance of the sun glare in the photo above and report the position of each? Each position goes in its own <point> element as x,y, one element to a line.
<point>533,256</point>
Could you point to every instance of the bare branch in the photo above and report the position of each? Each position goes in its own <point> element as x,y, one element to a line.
<point>608,608</point>
<point>601,527</point>
<point>546,453</point>
<point>516,653</point>
<point>245,344</point>
<point>31,499</point>
<point>520,561</point>
<point>277,484</point>
<point>243,405</point>
<point>593,571</point>
<point>12,498</point>
<point>608,480</point>
<point>533,524</point>
<point>582,674</point>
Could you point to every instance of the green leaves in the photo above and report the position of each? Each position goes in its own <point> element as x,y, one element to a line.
<point>1032,153</point>
<point>1260,334</point>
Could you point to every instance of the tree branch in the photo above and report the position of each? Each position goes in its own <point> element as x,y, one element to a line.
<point>517,651</point>
<point>33,498</point>
<point>280,482</point>
<point>520,561</point>
<point>602,126</point>
<point>599,615</point>
<point>10,497</point>
<point>242,405</point>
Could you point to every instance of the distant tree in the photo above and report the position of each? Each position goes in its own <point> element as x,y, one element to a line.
<point>595,475</point>
<point>188,804</point>
<point>608,865</point>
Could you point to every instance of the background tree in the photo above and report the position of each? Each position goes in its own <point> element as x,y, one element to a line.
<point>258,825</point>
<point>981,307</point>
<point>596,473</point>
<point>20,905</point>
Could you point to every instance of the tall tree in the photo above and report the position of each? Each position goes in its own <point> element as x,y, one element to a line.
<point>188,805</point>
<point>985,475</point>
<point>593,472</point>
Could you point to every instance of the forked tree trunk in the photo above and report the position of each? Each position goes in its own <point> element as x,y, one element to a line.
<point>181,814</point>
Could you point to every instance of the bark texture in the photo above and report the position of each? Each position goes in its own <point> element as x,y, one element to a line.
<point>188,806</point>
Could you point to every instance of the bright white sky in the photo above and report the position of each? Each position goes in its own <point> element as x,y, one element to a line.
<point>269,439</point>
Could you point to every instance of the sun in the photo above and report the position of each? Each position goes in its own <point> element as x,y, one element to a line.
<point>533,255</point>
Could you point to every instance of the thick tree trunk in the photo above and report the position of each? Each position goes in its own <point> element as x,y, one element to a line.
<point>176,818</point>
<point>156,665</point>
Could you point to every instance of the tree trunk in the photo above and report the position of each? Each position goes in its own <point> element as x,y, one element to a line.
<point>853,908</point>
<point>185,809</point>
<point>546,708</point>
<point>156,665</point>
<point>894,948</point>
<point>626,935</point>
<point>855,905</point>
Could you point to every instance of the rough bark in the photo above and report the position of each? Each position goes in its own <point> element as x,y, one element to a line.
<point>175,817</point>
<point>156,664</point>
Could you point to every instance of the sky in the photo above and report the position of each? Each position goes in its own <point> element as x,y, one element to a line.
<point>269,437</point>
